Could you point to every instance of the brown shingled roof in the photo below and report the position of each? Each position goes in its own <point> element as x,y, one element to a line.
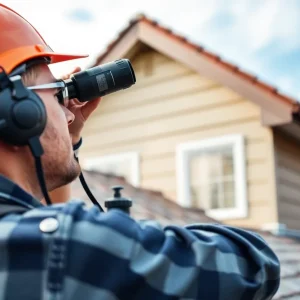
<point>154,205</point>
<point>164,210</point>
<point>213,58</point>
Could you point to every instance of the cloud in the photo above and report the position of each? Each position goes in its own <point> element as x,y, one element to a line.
<point>275,20</point>
<point>80,15</point>
<point>259,36</point>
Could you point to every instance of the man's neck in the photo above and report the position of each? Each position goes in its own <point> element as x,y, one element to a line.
<point>21,170</point>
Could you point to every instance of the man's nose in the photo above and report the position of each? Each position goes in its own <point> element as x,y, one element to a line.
<point>69,115</point>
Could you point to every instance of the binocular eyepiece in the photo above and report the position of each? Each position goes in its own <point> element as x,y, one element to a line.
<point>99,81</point>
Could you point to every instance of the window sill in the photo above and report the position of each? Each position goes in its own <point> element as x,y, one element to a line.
<point>227,213</point>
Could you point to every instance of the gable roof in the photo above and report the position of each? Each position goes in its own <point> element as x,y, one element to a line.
<point>276,108</point>
<point>148,204</point>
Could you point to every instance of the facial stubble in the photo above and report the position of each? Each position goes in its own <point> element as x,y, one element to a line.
<point>59,164</point>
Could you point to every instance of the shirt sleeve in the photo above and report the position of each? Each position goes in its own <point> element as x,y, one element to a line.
<point>112,255</point>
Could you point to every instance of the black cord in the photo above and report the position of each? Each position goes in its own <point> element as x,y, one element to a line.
<point>40,174</point>
<point>37,151</point>
<point>87,190</point>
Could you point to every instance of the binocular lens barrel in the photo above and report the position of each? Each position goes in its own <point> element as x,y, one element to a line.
<point>101,80</point>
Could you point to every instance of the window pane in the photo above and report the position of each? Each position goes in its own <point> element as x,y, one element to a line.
<point>199,170</point>
<point>229,200</point>
<point>194,192</point>
<point>204,196</point>
<point>215,196</point>
<point>227,164</point>
<point>211,178</point>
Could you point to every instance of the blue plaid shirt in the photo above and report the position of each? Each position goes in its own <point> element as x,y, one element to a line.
<point>70,252</point>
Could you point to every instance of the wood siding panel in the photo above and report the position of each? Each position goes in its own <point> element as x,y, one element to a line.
<point>294,224</point>
<point>288,180</point>
<point>162,72</point>
<point>171,105</point>
<point>156,110</point>
<point>256,171</point>
<point>183,121</point>
<point>170,87</point>
<point>260,214</point>
<point>290,211</point>
<point>164,144</point>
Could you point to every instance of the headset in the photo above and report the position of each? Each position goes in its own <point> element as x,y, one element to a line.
<point>23,119</point>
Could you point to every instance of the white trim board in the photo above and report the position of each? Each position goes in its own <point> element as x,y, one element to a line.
<point>182,167</point>
<point>89,163</point>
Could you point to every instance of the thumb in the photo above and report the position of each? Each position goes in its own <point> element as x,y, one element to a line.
<point>89,107</point>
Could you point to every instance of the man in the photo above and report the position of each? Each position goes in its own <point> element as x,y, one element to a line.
<point>69,252</point>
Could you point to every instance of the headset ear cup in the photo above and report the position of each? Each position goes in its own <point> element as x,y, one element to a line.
<point>24,119</point>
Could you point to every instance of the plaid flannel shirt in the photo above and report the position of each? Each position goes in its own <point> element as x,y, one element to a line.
<point>93,255</point>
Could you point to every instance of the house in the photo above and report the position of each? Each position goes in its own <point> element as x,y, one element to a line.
<point>153,205</point>
<point>200,130</point>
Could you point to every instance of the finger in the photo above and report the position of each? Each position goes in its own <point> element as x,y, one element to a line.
<point>76,69</point>
<point>67,76</point>
<point>76,101</point>
<point>71,103</point>
<point>89,107</point>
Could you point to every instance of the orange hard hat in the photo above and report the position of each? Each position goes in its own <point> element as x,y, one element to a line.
<point>20,42</point>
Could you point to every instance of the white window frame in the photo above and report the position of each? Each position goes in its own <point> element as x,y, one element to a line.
<point>183,152</point>
<point>89,163</point>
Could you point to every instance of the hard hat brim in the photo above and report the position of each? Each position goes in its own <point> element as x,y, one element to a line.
<point>11,59</point>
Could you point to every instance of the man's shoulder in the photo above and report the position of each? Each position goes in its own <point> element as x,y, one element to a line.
<point>68,220</point>
<point>40,218</point>
<point>71,207</point>
<point>73,222</point>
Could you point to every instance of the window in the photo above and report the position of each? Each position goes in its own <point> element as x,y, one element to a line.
<point>211,176</point>
<point>124,164</point>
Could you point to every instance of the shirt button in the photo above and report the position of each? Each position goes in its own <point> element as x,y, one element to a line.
<point>49,225</point>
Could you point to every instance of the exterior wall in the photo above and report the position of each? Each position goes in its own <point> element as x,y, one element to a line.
<point>288,179</point>
<point>169,105</point>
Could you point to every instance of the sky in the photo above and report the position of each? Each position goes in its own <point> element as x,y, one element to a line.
<point>262,37</point>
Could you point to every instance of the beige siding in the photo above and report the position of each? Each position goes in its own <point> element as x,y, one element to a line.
<point>171,105</point>
<point>288,180</point>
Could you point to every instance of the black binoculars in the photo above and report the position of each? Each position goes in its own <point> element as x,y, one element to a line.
<point>99,81</point>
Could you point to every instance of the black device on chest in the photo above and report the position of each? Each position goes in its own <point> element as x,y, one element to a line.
<point>22,112</point>
<point>23,119</point>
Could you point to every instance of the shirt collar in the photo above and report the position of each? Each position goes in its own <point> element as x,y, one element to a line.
<point>11,191</point>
